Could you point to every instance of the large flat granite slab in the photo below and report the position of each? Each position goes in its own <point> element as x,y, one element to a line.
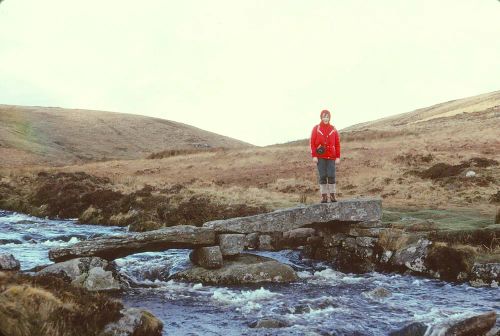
<point>354,210</point>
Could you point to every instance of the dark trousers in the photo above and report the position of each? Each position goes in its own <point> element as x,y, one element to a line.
<point>326,171</point>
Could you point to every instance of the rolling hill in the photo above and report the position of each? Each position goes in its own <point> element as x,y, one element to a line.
<point>57,136</point>
<point>483,102</point>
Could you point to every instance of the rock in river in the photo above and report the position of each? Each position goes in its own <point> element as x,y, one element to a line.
<point>243,269</point>
<point>94,274</point>
<point>8,262</point>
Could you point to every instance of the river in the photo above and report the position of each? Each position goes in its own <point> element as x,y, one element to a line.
<point>322,302</point>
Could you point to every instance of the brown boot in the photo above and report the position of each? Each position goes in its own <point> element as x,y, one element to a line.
<point>323,190</point>
<point>332,198</point>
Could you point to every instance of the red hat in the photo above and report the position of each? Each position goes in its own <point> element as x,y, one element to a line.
<point>325,112</point>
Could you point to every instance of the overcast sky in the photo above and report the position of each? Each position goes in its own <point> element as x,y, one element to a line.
<point>258,71</point>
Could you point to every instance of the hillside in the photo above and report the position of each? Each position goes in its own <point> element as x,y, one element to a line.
<point>483,102</point>
<point>385,158</point>
<point>57,136</point>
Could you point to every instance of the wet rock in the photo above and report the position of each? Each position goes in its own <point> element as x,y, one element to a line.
<point>378,293</point>
<point>32,237</point>
<point>231,244</point>
<point>268,323</point>
<point>301,308</point>
<point>243,269</point>
<point>25,221</point>
<point>157,272</point>
<point>344,251</point>
<point>9,263</point>
<point>412,256</point>
<point>414,329</point>
<point>207,257</point>
<point>94,274</point>
<point>358,261</point>
<point>181,236</point>
<point>68,237</point>
<point>308,306</point>
<point>10,241</point>
<point>321,253</point>
<point>355,210</point>
<point>134,322</point>
<point>476,325</point>
<point>485,275</point>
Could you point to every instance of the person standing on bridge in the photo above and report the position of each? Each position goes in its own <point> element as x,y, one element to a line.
<point>325,151</point>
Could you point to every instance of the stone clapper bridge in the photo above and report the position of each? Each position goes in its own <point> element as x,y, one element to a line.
<point>223,239</point>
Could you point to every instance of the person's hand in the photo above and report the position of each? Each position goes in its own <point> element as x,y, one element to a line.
<point>315,159</point>
<point>337,161</point>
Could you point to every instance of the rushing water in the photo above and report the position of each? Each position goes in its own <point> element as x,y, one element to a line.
<point>322,302</point>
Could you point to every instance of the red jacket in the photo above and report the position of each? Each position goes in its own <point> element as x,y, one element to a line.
<point>326,135</point>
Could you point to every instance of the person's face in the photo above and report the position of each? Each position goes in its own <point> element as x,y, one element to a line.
<point>325,118</point>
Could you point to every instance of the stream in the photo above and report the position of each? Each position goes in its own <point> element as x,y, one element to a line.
<point>322,302</point>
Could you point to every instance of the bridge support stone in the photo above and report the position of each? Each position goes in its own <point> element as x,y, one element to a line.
<point>207,257</point>
<point>231,244</point>
<point>265,243</point>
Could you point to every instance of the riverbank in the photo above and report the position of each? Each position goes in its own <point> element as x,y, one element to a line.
<point>96,200</point>
<point>47,305</point>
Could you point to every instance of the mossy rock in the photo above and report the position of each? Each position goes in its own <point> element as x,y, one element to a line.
<point>452,263</point>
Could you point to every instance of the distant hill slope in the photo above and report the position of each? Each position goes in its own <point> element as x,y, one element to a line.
<point>57,136</point>
<point>460,117</point>
<point>452,108</point>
